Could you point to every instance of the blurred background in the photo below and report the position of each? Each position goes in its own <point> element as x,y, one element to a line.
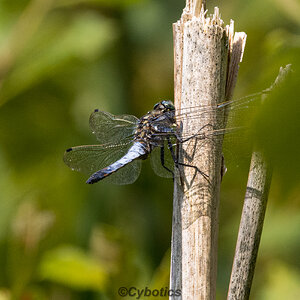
<point>59,60</point>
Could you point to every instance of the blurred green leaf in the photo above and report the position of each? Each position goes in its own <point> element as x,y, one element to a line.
<point>101,3</point>
<point>72,267</point>
<point>282,282</point>
<point>5,294</point>
<point>278,128</point>
<point>291,8</point>
<point>281,232</point>
<point>161,277</point>
<point>60,43</point>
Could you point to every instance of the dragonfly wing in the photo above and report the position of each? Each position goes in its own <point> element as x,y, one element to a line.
<point>112,129</point>
<point>237,112</point>
<point>209,133</point>
<point>236,144</point>
<point>89,159</point>
<point>156,161</point>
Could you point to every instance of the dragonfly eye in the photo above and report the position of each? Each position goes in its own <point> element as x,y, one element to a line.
<point>168,105</point>
<point>165,105</point>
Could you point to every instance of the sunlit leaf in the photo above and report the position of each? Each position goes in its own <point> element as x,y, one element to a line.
<point>72,267</point>
<point>5,294</point>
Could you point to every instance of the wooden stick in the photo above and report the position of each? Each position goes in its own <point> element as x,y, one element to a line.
<point>202,47</point>
<point>252,219</point>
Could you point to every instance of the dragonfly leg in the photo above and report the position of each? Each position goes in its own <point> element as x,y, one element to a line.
<point>162,160</point>
<point>203,136</point>
<point>177,163</point>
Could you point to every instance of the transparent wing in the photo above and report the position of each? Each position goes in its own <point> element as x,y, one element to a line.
<point>238,115</point>
<point>112,129</point>
<point>234,108</point>
<point>208,133</point>
<point>156,162</point>
<point>192,150</point>
<point>89,159</point>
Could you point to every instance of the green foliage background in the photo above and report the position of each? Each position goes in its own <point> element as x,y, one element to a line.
<point>59,60</point>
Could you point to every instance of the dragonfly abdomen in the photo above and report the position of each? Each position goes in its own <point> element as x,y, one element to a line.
<point>136,151</point>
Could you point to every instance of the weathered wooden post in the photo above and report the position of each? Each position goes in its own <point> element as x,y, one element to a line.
<point>207,55</point>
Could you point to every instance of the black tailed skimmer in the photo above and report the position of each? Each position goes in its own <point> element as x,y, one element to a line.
<point>126,140</point>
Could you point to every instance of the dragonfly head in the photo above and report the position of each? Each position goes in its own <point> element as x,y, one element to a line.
<point>165,105</point>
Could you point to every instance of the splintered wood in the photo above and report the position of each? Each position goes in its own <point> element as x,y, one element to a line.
<point>202,58</point>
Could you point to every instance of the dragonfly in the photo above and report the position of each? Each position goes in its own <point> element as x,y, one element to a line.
<point>126,140</point>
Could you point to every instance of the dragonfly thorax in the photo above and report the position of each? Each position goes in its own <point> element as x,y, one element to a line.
<point>154,127</point>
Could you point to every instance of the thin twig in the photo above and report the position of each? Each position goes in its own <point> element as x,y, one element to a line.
<point>252,219</point>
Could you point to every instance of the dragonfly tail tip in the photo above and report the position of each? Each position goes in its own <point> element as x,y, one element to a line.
<point>92,180</point>
<point>89,181</point>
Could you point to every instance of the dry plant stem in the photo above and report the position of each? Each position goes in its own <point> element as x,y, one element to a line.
<point>202,47</point>
<point>252,219</point>
<point>250,228</point>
